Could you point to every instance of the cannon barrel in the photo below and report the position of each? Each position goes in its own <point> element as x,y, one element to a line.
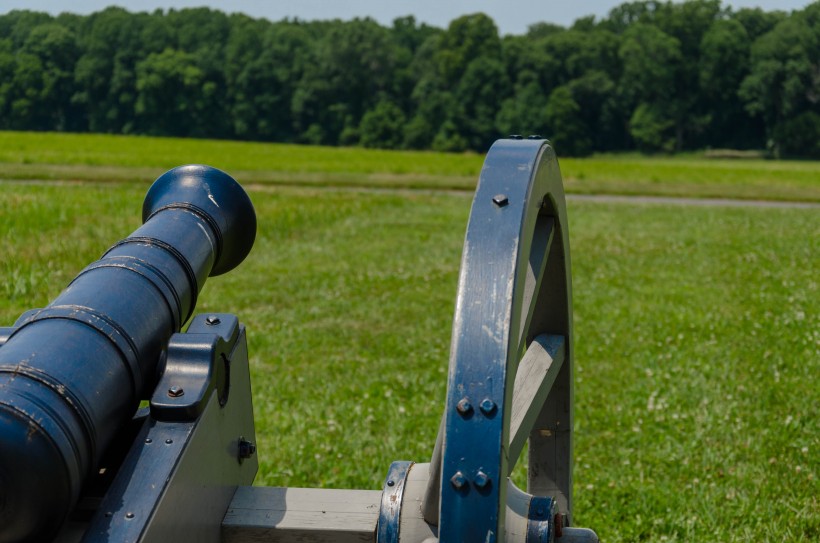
<point>73,373</point>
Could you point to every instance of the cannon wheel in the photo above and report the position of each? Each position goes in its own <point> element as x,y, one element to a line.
<point>510,376</point>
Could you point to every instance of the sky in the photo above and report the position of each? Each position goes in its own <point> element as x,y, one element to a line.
<point>511,16</point>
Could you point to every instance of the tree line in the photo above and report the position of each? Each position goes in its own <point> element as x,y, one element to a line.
<point>653,76</point>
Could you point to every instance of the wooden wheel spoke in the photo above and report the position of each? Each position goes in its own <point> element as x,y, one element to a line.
<point>536,374</point>
<point>539,250</point>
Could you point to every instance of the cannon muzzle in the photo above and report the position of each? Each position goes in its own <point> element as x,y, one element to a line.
<point>73,373</point>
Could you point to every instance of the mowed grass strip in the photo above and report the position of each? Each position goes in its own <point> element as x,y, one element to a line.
<point>697,344</point>
<point>95,157</point>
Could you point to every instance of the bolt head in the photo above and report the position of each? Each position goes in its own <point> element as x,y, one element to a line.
<point>500,200</point>
<point>535,137</point>
<point>481,479</point>
<point>391,482</point>
<point>176,391</point>
<point>487,406</point>
<point>516,137</point>
<point>246,448</point>
<point>464,406</point>
<point>558,522</point>
<point>212,320</point>
<point>458,480</point>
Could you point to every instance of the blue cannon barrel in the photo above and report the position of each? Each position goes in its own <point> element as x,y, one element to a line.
<point>73,373</point>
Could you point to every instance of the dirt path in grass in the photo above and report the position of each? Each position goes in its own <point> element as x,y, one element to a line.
<point>603,198</point>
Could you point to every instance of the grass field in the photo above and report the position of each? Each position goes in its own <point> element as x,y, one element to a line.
<point>25,155</point>
<point>697,342</point>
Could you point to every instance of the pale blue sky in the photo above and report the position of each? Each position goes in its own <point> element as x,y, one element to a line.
<point>511,16</point>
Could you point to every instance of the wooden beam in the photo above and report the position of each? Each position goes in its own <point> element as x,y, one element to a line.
<point>274,514</point>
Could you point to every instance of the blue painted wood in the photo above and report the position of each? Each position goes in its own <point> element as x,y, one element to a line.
<point>513,214</point>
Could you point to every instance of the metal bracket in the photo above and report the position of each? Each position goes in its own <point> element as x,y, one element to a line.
<point>192,453</point>
<point>197,363</point>
<point>387,530</point>
<point>541,520</point>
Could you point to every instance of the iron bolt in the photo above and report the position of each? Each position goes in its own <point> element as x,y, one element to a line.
<point>458,480</point>
<point>246,448</point>
<point>175,391</point>
<point>535,137</point>
<point>129,515</point>
<point>500,200</point>
<point>464,406</point>
<point>391,482</point>
<point>487,406</point>
<point>212,320</point>
<point>516,137</point>
<point>481,479</point>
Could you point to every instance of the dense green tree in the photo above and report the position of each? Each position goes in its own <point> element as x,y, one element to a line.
<point>625,15</point>
<point>113,41</point>
<point>651,59</point>
<point>783,86</point>
<point>463,81</point>
<point>525,111</point>
<point>724,60</point>
<point>656,75</point>
<point>600,111</point>
<point>18,24</point>
<point>41,83</point>
<point>800,135</point>
<point>264,64</point>
<point>466,39</point>
<point>724,63</point>
<point>651,128</point>
<point>540,30</point>
<point>7,68</point>
<point>527,57</point>
<point>172,94</point>
<point>409,34</point>
<point>350,68</point>
<point>382,126</point>
<point>566,130</point>
<point>757,22</point>
<point>579,52</point>
<point>479,94</point>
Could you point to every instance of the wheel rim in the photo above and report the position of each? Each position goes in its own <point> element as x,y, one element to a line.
<point>510,374</point>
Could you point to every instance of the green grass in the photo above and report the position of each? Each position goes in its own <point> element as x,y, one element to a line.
<point>697,341</point>
<point>694,176</point>
<point>93,157</point>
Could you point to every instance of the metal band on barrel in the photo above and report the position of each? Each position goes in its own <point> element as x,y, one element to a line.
<point>102,324</point>
<point>154,276</point>
<point>199,212</point>
<point>170,249</point>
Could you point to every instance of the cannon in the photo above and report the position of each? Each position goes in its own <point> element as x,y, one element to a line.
<point>116,426</point>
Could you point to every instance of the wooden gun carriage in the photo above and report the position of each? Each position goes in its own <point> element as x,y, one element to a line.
<point>81,461</point>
